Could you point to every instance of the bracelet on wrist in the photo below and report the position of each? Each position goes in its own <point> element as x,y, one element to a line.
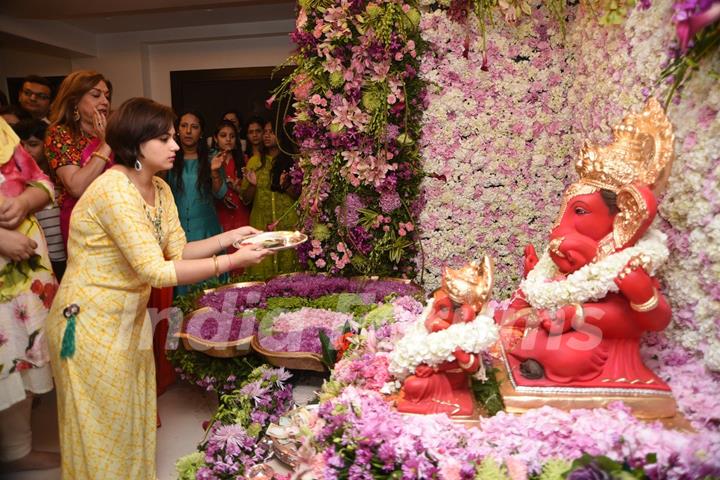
<point>217,265</point>
<point>105,158</point>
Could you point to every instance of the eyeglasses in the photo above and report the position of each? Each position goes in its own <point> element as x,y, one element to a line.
<point>40,95</point>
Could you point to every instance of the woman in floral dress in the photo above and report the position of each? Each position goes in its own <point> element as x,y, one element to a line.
<point>27,288</point>
<point>75,144</point>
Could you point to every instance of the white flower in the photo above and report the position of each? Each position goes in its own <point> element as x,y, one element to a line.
<point>418,346</point>
<point>593,281</point>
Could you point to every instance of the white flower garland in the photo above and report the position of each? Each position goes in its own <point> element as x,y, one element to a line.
<point>593,281</point>
<point>420,347</point>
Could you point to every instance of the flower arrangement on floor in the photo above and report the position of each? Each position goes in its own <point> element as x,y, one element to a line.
<point>350,435</point>
<point>258,304</point>
<point>357,101</point>
<point>359,434</point>
<point>356,432</point>
<point>363,358</point>
<point>300,331</point>
<point>209,373</point>
<point>233,443</point>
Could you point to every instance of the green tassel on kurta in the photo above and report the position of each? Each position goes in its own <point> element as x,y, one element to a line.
<point>68,341</point>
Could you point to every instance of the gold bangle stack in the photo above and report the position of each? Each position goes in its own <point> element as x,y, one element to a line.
<point>651,304</point>
<point>217,266</point>
<point>105,158</point>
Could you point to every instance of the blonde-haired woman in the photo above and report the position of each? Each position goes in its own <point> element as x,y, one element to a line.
<point>75,142</point>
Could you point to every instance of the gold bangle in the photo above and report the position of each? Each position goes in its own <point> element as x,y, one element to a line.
<point>217,266</point>
<point>106,159</point>
<point>649,305</point>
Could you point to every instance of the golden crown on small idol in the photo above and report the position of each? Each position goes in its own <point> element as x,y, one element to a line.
<point>471,284</point>
<point>641,151</point>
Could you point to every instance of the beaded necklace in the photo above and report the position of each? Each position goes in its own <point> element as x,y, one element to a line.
<point>156,221</point>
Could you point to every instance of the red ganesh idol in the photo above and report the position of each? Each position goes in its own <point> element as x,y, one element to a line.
<point>571,336</point>
<point>443,349</point>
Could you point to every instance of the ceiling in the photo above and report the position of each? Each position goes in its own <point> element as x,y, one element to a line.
<point>114,16</point>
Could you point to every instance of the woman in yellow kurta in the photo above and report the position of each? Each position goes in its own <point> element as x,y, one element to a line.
<point>125,236</point>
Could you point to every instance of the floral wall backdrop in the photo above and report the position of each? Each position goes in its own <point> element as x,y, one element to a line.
<point>501,132</point>
<point>496,141</point>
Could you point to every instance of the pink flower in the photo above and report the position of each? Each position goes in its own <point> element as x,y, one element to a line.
<point>517,469</point>
<point>303,86</point>
<point>686,29</point>
<point>269,102</point>
<point>21,312</point>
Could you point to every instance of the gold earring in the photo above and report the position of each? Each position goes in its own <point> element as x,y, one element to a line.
<point>76,114</point>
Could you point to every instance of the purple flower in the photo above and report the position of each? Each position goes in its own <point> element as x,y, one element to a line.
<point>589,472</point>
<point>390,202</point>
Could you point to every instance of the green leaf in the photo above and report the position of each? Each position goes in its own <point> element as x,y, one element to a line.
<point>554,469</point>
<point>329,354</point>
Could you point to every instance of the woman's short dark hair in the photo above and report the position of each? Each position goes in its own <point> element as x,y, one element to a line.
<point>137,121</point>
<point>31,127</point>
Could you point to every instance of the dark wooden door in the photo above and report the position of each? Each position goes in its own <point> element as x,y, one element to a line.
<point>212,92</point>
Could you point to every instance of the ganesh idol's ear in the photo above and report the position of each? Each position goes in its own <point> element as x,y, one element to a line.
<point>638,207</point>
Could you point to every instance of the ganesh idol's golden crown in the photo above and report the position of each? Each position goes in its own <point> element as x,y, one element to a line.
<point>471,284</point>
<point>641,152</point>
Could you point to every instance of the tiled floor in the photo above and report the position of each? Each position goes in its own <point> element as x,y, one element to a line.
<point>183,409</point>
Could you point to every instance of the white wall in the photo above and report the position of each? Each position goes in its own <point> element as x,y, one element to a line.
<point>139,63</point>
<point>15,63</point>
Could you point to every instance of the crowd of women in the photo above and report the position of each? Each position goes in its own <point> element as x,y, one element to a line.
<point>128,200</point>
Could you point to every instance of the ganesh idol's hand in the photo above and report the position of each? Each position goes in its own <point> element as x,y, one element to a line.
<point>462,356</point>
<point>531,259</point>
<point>635,284</point>
<point>558,321</point>
<point>424,371</point>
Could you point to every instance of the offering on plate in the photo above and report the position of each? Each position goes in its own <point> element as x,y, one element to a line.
<point>275,241</point>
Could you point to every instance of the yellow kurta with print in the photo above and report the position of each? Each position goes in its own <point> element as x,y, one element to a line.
<point>119,247</point>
